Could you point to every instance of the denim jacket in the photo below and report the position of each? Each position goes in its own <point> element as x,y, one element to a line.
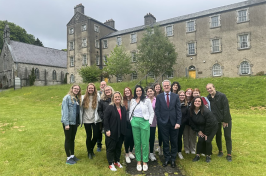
<point>68,111</point>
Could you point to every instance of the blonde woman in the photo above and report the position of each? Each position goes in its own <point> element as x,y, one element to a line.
<point>90,118</point>
<point>70,120</point>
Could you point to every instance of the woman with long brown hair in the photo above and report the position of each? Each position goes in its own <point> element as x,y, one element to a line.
<point>90,118</point>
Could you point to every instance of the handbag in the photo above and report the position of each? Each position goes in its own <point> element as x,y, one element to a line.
<point>133,111</point>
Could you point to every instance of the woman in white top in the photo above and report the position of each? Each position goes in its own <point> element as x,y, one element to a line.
<point>141,117</point>
<point>89,117</point>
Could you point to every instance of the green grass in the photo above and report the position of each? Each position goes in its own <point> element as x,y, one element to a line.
<point>32,138</point>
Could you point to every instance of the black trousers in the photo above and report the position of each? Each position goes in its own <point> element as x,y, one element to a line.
<point>152,138</point>
<point>160,138</point>
<point>206,146</point>
<point>70,139</point>
<point>129,140</point>
<point>179,138</point>
<point>100,136</point>
<point>169,132</point>
<point>113,149</point>
<point>91,129</point>
<point>227,136</point>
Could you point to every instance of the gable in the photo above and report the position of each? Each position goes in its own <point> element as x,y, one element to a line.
<point>77,18</point>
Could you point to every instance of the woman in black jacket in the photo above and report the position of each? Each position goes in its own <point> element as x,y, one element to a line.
<point>115,126</point>
<point>205,124</point>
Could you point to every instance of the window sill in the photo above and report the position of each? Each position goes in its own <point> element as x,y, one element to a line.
<point>169,35</point>
<point>239,49</point>
<point>188,55</point>
<point>216,52</point>
<point>215,27</point>
<point>242,22</point>
<point>133,42</point>
<point>190,31</point>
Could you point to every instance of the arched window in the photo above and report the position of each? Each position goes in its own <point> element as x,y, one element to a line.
<point>192,67</point>
<point>72,78</point>
<point>54,75</point>
<point>244,68</point>
<point>216,70</point>
<point>37,73</point>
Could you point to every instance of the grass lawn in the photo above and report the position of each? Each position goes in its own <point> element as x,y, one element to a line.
<point>32,138</point>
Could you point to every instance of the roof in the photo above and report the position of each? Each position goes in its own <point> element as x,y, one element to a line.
<point>190,16</point>
<point>32,54</point>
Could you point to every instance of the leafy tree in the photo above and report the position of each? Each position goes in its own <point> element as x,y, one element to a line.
<point>32,77</point>
<point>90,73</point>
<point>63,49</point>
<point>38,42</point>
<point>118,63</point>
<point>156,53</point>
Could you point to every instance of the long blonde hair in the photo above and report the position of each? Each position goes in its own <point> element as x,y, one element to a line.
<point>76,97</point>
<point>113,97</point>
<point>103,96</point>
<point>86,100</point>
<point>185,100</point>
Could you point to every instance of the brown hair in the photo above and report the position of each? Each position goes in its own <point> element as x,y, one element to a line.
<point>185,100</point>
<point>125,97</point>
<point>195,89</point>
<point>76,97</point>
<point>191,94</point>
<point>86,100</point>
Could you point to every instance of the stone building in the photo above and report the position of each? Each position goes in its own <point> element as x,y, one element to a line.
<point>227,41</point>
<point>17,60</point>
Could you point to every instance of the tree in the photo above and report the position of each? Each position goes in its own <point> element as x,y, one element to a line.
<point>38,42</point>
<point>90,73</point>
<point>32,77</point>
<point>156,53</point>
<point>118,63</point>
<point>63,49</point>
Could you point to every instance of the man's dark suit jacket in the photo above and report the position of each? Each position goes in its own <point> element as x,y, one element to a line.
<point>163,113</point>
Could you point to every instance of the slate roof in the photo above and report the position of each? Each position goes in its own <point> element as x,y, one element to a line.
<point>32,54</point>
<point>190,16</point>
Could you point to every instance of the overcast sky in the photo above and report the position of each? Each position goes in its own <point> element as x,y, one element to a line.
<point>47,19</point>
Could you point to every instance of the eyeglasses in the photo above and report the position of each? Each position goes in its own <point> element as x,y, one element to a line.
<point>76,88</point>
<point>107,90</point>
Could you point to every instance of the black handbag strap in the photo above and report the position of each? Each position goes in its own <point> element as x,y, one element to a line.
<point>133,111</point>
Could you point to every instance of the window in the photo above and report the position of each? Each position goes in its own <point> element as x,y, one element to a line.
<point>244,41</point>
<point>37,73</point>
<point>134,75</point>
<point>191,26</point>
<point>96,28</point>
<point>244,68</point>
<point>170,74</point>
<point>104,60</point>
<point>169,30</point>
<point>84,27</point>
<point>84,42</point>
<point>216,70</point>
<point>71,31</point>
<point>72,61</point>
<point>72,78</point>
<point>133,56</point>
<point>97,60</point>
<point>105,44</point>
<point>54,75</point>
<point>97,44</point>
<point>71,45</point>
<point>133,38</point>
<point>215,44</point>
<point>151,75</point>
<point>242,15</point>
<point>84,60</point>
<point>191,47</point>
<point>151,31</point>
<point>119,78</point>
<point>215,21</point>
<point>119,41</point>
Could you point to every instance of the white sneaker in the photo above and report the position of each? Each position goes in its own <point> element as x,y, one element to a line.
<point>118,165</point>
<point>145,167</point>
<point>193,152</point>
<point>202,154</point>
<point>112,168</point>
<point>158,149</point>
<point>180,155</point>
<point>187,152</point>
<point>139,167</point>
<point>152,158</point>
<point>131,156</point>
<point>127,159</point>
<point>161,151</point>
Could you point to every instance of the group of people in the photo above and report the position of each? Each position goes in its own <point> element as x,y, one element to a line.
<point>131,118</point>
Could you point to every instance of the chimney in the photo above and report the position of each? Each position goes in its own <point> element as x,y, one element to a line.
<point>149,19</point>
<point>6,34</point>
<point>79,8</point>
<point>110,23</point>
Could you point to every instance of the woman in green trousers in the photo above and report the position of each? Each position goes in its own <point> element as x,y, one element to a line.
<point>141,117</point>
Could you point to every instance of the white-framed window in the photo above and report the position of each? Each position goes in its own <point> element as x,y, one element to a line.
<point>134,75</point>
<point>244,41</point>
<point>216,70</point>
<point>97,58</point>
<point>71,45</point>
<point>244,68</point>
<point>215,21</point>
<point>84,60</point>
<point>71,31</point>
<point>215,45</point>
<point>83,27</point>
<point>97,44</point>
<point>170,74</point>
<point>169,30</point>
<point>119,41</point>
<point>151,31</point>
<point>54,75</point>
<point>191,48</point>
<point>72,78</point>
<point>105,43</point>
<point>191,26</point>
<point>104,60</point>
<point>119,78</point>
<point>96,28</point>
<point>37,73</point>
<point>242,15</point>
<point>84,42</point>
<point>133,38</point>
<point>133,56</point>
<point>72,61</point>
<point>151,75</point>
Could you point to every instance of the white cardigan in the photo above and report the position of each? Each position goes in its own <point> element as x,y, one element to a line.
<point>147,110</point>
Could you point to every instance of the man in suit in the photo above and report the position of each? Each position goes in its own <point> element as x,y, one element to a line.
<point>168,112</point>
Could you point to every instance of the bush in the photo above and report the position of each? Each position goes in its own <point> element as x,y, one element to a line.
<point>261,73</point>
<point>32,77</point>
<point>90,74</point>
